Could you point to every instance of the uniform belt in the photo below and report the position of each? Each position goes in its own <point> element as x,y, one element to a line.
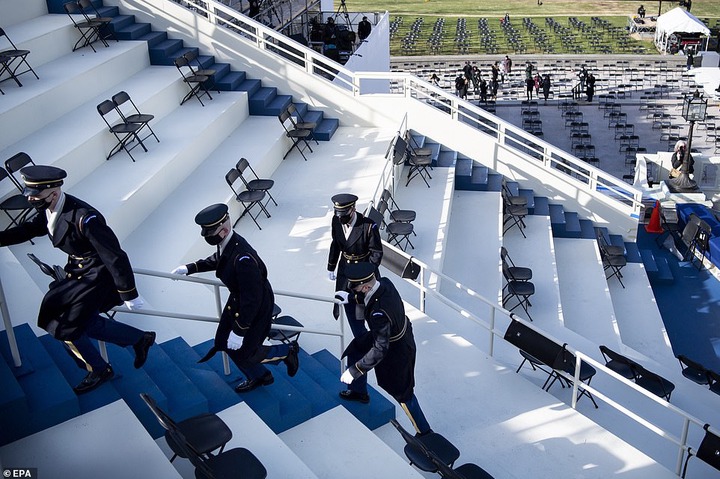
<point>79,258</point>
<point>355,257</point>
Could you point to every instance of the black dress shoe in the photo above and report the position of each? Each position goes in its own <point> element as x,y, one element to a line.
<point>93,380</point>
<point>349,395</point>
<point>291,360</point>
<point>250,384</point>
<point>142,347</point>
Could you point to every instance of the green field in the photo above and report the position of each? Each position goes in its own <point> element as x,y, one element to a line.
<point>450,27</point>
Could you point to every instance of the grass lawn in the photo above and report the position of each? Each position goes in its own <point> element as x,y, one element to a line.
<point>451,27</point>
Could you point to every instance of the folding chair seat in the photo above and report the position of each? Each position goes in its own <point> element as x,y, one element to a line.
<point>204,432</point>
<point>396,214</point>
<point>193,59</point>
<point>535,364</point>
<point>517,273</point>
<point>91,14</point>
<point>513,215</point>
<point>260,184</point>
<point>614,263</point>
<point>397,231</point>
<point>652,382</point>
<point>282,335</point>
<point>16,207</point>
<point>12,59</point>
<point>566,362</point>
<point>89,29</point>
<point>510,197</point>
<point>125,133</point>
<point>695,372</point>
<point>143,119</point>
<point>618,363</point>
<point>300,123</point>
<point>418,167</point>
<point>248,198</point>
<point>520,290</point>
<point>417,447</point>
<point>196,83</point>
<point>708,451</point>
<point>298,136</point>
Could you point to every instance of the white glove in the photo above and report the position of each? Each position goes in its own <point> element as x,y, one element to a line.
<point>135,304</point>
<point>342,296</point>
<point>180,270</point>
<point>234,341</point>
<point>331,275</point>
<point>346,377</point>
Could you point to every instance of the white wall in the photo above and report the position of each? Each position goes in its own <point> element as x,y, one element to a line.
<point>17,11</point>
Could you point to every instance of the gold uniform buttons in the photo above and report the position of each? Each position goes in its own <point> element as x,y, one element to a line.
<point>237,315</point>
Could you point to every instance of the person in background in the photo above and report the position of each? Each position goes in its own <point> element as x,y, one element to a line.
<point>98,275</point>
<point>678,158</point>
<point>364,28</point>
<point>247,316</point>
<point>641,11</point>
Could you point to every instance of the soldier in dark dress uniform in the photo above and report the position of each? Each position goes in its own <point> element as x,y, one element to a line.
<point>98,275</point>
<point>389,346</point>
<point>355,239</point>
<point>247,315</point>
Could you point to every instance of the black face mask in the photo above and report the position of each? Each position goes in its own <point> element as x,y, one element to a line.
<point>359,297</point>
<point>213,240</point>
<point>40,205</point>
<point>345,219</point>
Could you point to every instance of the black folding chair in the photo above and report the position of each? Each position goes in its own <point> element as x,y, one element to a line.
<point>708,452</point>
<point>195,82</point>
<point>517,273</point>
<point>521,290</point>
<point>143,119</point>
<point>298,136</point>
<point>193,59</point>
<point>93,15</point>
<point>397,214</point>
<point>248,198</point>
<point>695,372</point>
<point>125,133</point>
<point>12,59</point>
<point>89,29</point>
<point>652,382</point>
<point>16,206</point>
<point>464,471</point>
<point>513,215</point>
<point>205,432</point>
<point>261,184</point>
<point>618,363</point>
<point>419,165</point>
<point>416,448</point>
<point>397,232</point>
<point>300,123</point>
<point>566,362</point>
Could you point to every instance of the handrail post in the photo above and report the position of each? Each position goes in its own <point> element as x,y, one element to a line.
<point>218,307</point>
<point>683,443</point>
<point>14,351</point>
<point>491,346</point>
<point>422,290</point>
<point>576,381</point>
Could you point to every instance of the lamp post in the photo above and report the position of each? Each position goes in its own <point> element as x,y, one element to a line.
<point>694,109</point>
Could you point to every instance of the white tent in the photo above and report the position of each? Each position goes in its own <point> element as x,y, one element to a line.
<point>674,22</point>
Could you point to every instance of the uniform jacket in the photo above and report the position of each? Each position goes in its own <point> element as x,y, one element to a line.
<point>248,311</point>
<point>99,274</point>
<point>363,243</point>
<point>389,346</point>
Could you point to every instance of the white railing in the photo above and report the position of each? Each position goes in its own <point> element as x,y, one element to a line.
<point>561,166</point>
<point>679,438</point>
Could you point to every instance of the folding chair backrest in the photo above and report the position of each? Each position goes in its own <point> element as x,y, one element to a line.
<point>201,468</point>
<point>121,97</point>
<point>242,165</point>
<point>708,451</point>
<point>162,417</point>
<point>231,177</point>
<point>611,355</point>
<point>3,34</point>
<point>104,108</point>
<point>531,341</point>
<point>375,216</point>
<point>691,228</point>
<point>399,151</point>
<point>15,163</point>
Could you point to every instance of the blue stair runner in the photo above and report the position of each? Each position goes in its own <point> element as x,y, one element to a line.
<point>263,101</point>
<point>39,394</point>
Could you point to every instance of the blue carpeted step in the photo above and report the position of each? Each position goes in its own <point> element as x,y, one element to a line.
<point>100,397</point>
<point>375,414</point>
<point>280,405</point>
<point>587,229</point>
<point>121,21</point>
<point>311,381</point>
<point>184,398</point>
<point>479,177</point>
<point>153,38</point>
<point>259,100</point>
<point>463,174</point>
<point>130,382</point>
<point>13,407</point>
<point>417,140</point>
<point>447,158</point>
<point>134,31</point>
<point>104,11</point>
<point>542,206</point>
<point>572,225</point>
<point>494,182</point>
<point>250,85</point>
<point>180,52</point>
<point>513,188</point>
<point>632,252</point>
<point>278,105</point>
<point>656,267</point>
<point>664,273</point>
<point>48,398</point>
<point>218,393</point>
<point>230,82</point>
<point>326,129</point>
<point>616,240</point>
<point>557,219</point>
<point>161,52</point>
<point>313,116</point>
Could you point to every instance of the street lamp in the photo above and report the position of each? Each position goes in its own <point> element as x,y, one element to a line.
<point>694,109</point>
